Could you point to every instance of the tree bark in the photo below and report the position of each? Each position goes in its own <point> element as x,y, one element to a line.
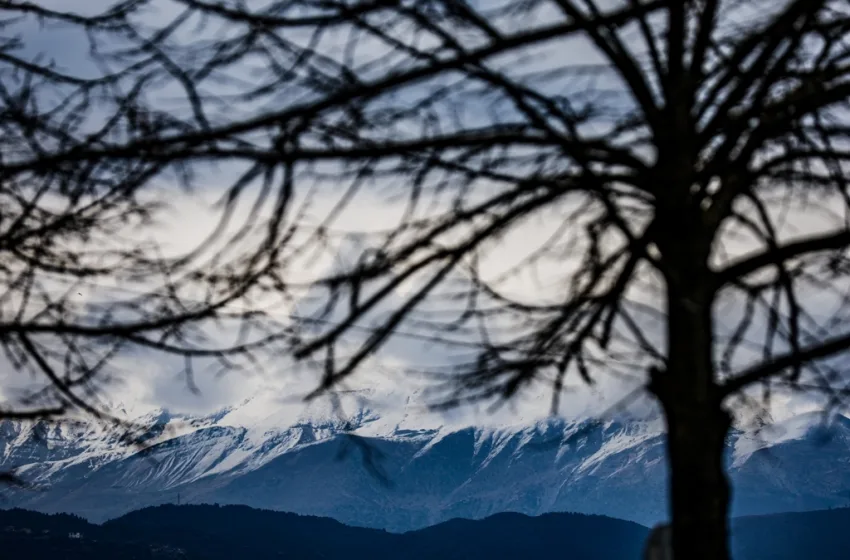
<point>699,490</point>
<point>697,423</point>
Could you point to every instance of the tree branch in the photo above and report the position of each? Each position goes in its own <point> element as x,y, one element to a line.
<point>752,263</point>
<point>361,91</point>
<point>777,365</point>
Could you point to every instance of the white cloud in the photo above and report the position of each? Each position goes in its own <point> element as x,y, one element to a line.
<point>149,380</point>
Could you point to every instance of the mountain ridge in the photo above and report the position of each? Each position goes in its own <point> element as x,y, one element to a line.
<point>386,471</point>
<point>222,532</point>
<point>219,532</point>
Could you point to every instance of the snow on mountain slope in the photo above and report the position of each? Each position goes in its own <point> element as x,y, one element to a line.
<point>792,429</point>
<point>404,470</point>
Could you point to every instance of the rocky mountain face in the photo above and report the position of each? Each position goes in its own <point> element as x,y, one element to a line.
<point>380,471</point>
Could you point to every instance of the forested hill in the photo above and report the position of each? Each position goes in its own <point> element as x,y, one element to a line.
<point>227,532</point>
<point>197,532</point>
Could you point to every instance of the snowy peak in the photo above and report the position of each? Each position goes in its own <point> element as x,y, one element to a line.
<point>272,452</point>
<point>813,427</point>
<point>254,433</point>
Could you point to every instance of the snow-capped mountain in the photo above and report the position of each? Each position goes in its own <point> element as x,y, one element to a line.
<point>390,471</point>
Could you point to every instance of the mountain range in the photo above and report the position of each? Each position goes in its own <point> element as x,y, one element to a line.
<point>387,471</point>
<point>225,532</point>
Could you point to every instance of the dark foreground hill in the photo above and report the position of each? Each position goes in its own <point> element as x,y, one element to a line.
<point>213,533</point>
<point>821,535</point>
<point>227,532</point>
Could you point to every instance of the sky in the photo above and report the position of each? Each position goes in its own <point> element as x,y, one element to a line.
<point>147,381</point>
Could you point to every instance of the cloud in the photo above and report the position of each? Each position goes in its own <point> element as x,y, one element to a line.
<point>148,379</point>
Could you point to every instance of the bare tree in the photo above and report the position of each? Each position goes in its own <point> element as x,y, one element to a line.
<point>691,157</point>
<point>83,281</point>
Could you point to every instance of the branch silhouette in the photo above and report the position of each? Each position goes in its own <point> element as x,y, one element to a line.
<point>686,157</point>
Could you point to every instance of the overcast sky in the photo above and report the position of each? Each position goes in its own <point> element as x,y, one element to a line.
<point>152,381</point>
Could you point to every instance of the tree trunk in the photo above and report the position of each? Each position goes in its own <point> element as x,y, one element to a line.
<point>697,424</point>
<point>699,489</point>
